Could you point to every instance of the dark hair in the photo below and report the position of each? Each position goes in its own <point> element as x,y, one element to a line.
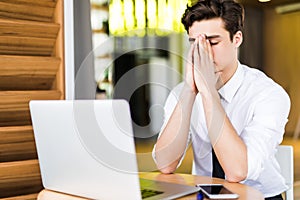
<point>231,12</point>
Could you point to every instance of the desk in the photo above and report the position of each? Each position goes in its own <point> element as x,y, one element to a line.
<point>245,192</point>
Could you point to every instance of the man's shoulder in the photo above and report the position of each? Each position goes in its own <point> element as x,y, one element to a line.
<point>254,76</point>
<point>260,83</point>
<point>252,72</point>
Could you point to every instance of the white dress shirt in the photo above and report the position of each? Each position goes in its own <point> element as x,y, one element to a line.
<point>258,109</point>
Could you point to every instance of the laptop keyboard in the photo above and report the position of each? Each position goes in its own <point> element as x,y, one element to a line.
<point>149,193</point>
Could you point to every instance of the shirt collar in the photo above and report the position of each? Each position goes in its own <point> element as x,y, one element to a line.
<point>228,90</point>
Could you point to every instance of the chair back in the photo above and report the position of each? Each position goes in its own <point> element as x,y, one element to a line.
<point>285,158</point>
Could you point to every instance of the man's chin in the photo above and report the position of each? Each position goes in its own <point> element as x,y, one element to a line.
<point>219,82</point>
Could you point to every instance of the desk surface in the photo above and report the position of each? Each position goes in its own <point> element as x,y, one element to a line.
<point>245,192</point>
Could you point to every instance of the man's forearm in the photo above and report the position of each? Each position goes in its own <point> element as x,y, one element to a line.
<point>228,146</point>
<point>172,142</point>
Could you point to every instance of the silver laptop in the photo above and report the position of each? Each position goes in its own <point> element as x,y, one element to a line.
<point>86,148</point>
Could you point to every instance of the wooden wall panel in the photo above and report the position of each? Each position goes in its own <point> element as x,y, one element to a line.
<point>23,28</point>
<point>31,48</point>
<point>28,72</point>
<point>282,56</point>
<point>35,10</point>
<point>17,178</point>
<point>59,50</point>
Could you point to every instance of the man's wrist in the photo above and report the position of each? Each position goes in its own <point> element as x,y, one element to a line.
<point>189,90</point>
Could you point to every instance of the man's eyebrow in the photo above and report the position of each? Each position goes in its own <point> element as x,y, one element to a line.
<point>212,36</point>
<point>207,37</point>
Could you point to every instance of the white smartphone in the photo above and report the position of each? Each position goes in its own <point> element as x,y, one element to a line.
<point>217,191</point>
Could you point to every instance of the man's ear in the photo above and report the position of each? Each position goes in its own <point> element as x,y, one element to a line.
<point>237,38</point>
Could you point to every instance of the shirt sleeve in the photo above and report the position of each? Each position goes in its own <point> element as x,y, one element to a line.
<point>169,107</point>
<point>265,130</point>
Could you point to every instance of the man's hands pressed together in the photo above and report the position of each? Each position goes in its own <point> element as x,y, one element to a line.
<point>204,69</point>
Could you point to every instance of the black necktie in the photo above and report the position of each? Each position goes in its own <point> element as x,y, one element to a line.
<point>217,169</point>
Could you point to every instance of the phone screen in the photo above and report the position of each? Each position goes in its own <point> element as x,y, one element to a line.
<point>215,189</point>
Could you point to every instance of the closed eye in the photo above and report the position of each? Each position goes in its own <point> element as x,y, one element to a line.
<point>213,43</point>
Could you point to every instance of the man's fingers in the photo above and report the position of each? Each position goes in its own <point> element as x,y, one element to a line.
<point>209,49</point>
<point>190,59</point>
<point>196,54</point>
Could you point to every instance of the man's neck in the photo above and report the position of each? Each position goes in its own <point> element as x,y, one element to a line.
<point>227,75</point>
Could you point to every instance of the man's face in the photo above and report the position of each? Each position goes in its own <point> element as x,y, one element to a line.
<point>224,50</point>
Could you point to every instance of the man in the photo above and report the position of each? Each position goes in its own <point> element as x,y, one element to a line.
<point>234,115</point>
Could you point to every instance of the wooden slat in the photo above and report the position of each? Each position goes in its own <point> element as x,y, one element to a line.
<point>19,178</point>
<point>24,28</point>
<point>16,134</point>
<point>17,151</point>
<point>13,45</point>
<point>27,72</point>
<point>27,10</point>
<point>17,143</point>
<point>14,105</point>
<point>29,65</point>
<point>13,98</point>
<point>23,197</point>
<point>60,48</point>
<point>26,83</point>
<point>46,3</point>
